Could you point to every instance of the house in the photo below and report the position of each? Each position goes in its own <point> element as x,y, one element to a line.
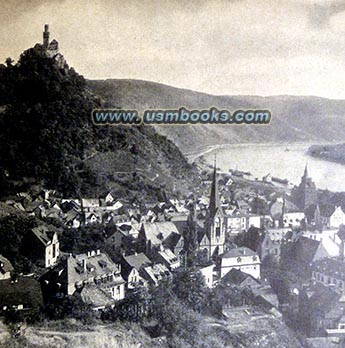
<point>240,279</point>
<point>131,229</point>
<point>254,220</point>
<point>303,250</point>
<point>323,342</point>
<point>169,259</point>
<point>293,218</point>
<point>130,268</point>
<point>320,215</point>
<point>69,204</point>
<point>96,277</point>
<point>337,218</point>
<point>153,235</point>
<point>330,243</point>
<point>23,294</point>
<point>236,223</point>
<point>89,204</point>
<point>284,213</point>
<point>300,253</point>
<point>243,259</point>
<point>92,218</point>
<point>179,219</point>
<point>229,182</point>
<point>119,219</point>
<point>110,198</point>
<point>266,297</point>
<point>207,271</point>
<point>42,245</point>
<point>271,243</point>
<point>5,268</point>
<point>156,273</point>
<point>73,219</point>
<point>118,241</point>
<point>329,272</point>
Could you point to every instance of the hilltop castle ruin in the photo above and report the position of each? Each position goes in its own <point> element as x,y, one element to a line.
<point>52,48</point>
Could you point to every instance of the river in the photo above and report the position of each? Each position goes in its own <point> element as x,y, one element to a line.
<point>283,161</point>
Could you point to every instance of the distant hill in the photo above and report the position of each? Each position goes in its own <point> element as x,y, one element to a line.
<point>294,119</point>
<point>46,133</point>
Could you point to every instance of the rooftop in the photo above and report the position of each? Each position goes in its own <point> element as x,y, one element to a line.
<point>332,267</point>
<point>239,252</point>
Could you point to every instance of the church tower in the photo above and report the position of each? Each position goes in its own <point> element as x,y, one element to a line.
<point>308,190</point>
<point>305,194</point>
<point>215,224</point>
<point>46,36</point>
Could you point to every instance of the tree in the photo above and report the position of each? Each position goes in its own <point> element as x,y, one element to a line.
<point>174,320</point>
<point>189,287</point>
<point>9,62</point>
<point>191,237</point>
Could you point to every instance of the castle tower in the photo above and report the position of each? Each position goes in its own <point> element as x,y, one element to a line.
<point>46,36</point>
<point>215,224</point>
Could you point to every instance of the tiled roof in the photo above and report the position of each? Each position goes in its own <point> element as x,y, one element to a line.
<point>89,202</point>
<point>237,277</point>
<point>43,234</point>
<point>277,234</point>
<point>304,249</point>
<point>83,267</point>
<point>168,256</point>
<point>158,231</point>
<point>137,260</point>
<point>155,273</point>
<point>239,252</point>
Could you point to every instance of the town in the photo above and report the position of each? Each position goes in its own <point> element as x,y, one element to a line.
<point>239,237</point>
<point>234,246</point>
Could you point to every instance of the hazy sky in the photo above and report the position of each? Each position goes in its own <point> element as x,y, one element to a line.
<point>261,47</point>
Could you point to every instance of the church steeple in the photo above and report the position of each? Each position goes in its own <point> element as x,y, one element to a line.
<point>305,175</point>
<point>214,198</point>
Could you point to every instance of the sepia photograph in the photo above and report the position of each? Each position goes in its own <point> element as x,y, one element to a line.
<point>172,173</point>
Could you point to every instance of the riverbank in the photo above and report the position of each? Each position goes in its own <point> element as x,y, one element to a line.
<point>332,153</point>
<point>286,161</point>
<point>204,150</point>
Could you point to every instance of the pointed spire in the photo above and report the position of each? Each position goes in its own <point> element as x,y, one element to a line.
<point>305,175</point>
<point>214,198</point>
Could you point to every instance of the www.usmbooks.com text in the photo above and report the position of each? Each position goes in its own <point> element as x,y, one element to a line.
<point>181,116</point>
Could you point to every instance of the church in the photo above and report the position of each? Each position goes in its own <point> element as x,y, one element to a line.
<point>212,237</point>
<point>305,194</point>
